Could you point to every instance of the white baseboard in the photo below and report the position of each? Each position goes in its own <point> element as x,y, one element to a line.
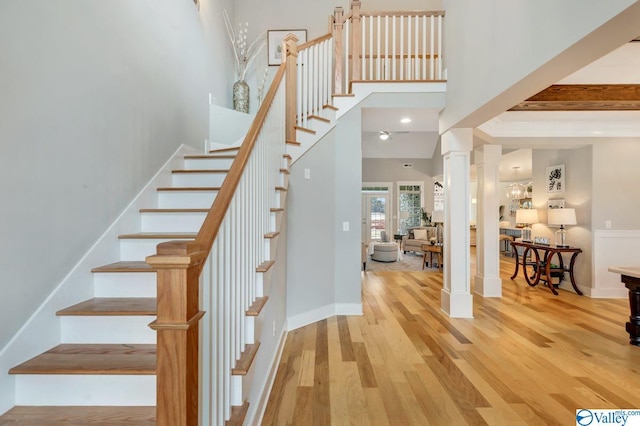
<point>323,312</point>
<point>254,417</point>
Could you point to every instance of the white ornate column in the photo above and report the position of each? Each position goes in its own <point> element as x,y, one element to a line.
<point>457,300</point>
<point>487,279</point>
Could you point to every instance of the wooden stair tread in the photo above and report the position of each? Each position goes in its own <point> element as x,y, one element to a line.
<point>330,107</point>
<point>304,129</point>
<point>272,234</point>
<point>317,117</point>
<point>187,171</point>
<point>190,188</point>
<point>246,359</point>
<point>112,306</point>
<point>208,157</point>
<point>285,171</point>
<point>159,236</point>
<point>257,305</point>
<point>265,266</point>
<point>281,188</point>
<point>76,416</point>
<point>343,95</point>
<point>125,266</point>
<point>231,148</point>
<point>276,209</point>
<point>238,414</point>
<point>287,156</point>
<point>174,210</point>
<point>290,142</point>
<point>113,359</point>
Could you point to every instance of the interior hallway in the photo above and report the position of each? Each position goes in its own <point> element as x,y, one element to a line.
<point>526,358</point>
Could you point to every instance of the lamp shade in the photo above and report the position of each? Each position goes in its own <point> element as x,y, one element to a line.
<point>562,217</point>
<point>438,216</point>
<point>527,216</point>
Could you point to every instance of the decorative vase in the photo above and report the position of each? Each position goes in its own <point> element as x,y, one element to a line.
<point>241,96</point>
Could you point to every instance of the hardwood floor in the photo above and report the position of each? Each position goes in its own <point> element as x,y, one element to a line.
<point>527,358</point>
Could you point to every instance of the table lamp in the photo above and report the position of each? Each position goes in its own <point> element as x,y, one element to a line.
<point>438,218</point>
<point>562,217</point>
<point>526,216</point>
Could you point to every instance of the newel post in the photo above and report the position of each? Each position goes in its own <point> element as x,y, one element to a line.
<point>178,268</point>
<point>338,66</point>
<point>356,41</point>
<point>290,47</point>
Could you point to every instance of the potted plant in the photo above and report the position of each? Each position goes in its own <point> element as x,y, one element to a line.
<point>425,216</point>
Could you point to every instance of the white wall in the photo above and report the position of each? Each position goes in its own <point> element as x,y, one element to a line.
<point>493,63</point>
<point>616,176</point>
<point>95,98</point>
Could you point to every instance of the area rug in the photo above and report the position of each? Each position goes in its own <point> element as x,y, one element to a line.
<point>410,262</point>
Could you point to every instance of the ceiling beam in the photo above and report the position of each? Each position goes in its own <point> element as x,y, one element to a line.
<point>584,97</point>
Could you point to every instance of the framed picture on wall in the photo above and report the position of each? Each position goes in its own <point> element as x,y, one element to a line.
<point>555,178</point>
<point>274,43</point>
<point>438,196</point>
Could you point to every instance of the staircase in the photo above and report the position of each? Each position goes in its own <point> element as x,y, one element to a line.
<point>103,372</point>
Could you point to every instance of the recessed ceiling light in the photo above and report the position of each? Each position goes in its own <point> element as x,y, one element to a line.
<point>406,120</point>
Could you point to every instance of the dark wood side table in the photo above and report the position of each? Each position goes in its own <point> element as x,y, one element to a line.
<point>431,249</point>
<point>398,238</point>
<point>630,276</point>
<point>539,257</point>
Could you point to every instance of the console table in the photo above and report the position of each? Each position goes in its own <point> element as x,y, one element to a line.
<point>630,276</point>
<point>432,249</point>
<point>539,257</point>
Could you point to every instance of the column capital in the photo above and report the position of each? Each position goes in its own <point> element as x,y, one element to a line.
<point>456,140</point>
<point>488,154</point>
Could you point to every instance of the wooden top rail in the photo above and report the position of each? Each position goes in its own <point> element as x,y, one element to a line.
<point>405,13</point>
<point>209,230</point>
<point>314,41</point>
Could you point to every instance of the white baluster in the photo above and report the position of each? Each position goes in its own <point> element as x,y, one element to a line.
<point>393,44</point>
<point>432,53</point>
<point>347,53</point>
<point>423,62</point>
<point>440,47</point>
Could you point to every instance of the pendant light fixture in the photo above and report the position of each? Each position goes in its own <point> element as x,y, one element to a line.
<point>516,191</point>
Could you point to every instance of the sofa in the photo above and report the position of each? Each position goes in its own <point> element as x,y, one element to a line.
<point>413,241</point>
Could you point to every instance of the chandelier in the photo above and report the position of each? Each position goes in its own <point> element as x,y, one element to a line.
<point>517,191</point>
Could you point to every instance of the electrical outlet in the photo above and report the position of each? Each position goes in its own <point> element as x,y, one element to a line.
<point>307,173</point>
<point>345,226</point>
<point>607,224</point>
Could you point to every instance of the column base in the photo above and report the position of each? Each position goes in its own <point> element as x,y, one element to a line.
<point>487,287</point>
<point>456,305</point>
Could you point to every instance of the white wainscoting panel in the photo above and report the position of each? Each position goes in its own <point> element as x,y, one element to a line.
<point>613,248</point>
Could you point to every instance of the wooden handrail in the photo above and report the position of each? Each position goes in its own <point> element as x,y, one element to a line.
<point>314,41</point>
<point>211,225</point>
<point>405,13</point>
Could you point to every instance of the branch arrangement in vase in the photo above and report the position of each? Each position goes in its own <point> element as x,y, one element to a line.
<point>243,52</point>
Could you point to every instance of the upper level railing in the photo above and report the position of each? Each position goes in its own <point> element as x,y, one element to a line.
<point>386,46</point>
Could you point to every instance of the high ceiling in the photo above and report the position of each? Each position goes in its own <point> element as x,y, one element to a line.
<point>622,66</point>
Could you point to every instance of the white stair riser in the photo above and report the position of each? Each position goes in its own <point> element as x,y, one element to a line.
<point>208,164</point>
<point>236,390</point>
<point>171,222</point>
<point>186,199</point>
<point>125,284</point>
<point>80,389</point>
<point>249,327</point>
<point>183,180</point>
<point>107,329</point>
<point>138,249</point>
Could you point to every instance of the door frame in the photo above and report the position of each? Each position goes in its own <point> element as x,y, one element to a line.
<point>366,219</point>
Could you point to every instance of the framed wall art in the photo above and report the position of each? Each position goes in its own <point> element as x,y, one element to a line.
<point>555,178</point>
<point>274,43</point>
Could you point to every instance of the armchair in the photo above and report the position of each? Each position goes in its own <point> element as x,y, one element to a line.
<point>416,237</point>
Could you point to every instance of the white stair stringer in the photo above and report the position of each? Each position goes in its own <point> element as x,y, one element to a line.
<point>319,127</point>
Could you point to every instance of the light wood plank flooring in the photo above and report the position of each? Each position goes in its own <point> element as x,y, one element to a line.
<point>528,358</point>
